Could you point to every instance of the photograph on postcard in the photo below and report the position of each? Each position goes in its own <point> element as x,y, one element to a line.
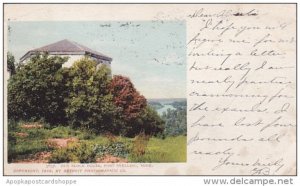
<point>96,92</point>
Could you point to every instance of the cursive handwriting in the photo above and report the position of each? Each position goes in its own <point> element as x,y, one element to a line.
<point>241,89</point>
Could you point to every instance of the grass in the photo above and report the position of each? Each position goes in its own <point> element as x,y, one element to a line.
<point>90,146</point>
<point>170,149</point>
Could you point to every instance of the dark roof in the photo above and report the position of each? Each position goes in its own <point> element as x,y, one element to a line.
<point>66,47</point>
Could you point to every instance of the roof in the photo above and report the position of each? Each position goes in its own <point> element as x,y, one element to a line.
<point>66,47</point>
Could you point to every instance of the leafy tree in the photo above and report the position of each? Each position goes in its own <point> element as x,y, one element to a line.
<point>127,97</point>
<point>83,96</point>
<point>137,116</point>
<point>36,90</point>
<point>11,63</point>
<point>175,121</point>
<point>89,104</point>
<point>152,123</point>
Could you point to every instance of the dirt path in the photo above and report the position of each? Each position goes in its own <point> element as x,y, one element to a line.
<point>60,142</point>
<point>35,125</point>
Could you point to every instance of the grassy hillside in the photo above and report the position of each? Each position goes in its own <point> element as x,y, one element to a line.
<point>38,143</point>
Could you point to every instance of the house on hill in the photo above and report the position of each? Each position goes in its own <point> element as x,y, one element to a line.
<point>71,49</point>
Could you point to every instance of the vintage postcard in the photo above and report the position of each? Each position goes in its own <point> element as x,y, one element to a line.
<point>150,89</point>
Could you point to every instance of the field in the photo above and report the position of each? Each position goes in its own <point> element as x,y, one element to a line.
<point>39,143</point>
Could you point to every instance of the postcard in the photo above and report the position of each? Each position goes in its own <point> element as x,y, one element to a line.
<point>150,89</point>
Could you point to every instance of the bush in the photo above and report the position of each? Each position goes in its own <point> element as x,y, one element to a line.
<point>82,152</point>
<point>117,149</point>
<point>36,91</point>
<point>140,144</point>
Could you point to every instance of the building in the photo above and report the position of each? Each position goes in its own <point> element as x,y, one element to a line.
<point>71,49</point>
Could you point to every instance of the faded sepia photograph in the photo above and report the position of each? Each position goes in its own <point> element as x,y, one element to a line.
<point>96,92</point>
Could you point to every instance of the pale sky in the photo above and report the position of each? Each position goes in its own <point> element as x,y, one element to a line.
<point>151,53</point>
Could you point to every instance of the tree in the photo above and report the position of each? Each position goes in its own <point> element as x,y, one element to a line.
<point>137,116</point>
<point>11,63</point>
<point>36,90</point>
<point>175,121</point>
<point>152,123</point>
<point>127,97</point>
<point>84,96</point>
<point>89,104</point>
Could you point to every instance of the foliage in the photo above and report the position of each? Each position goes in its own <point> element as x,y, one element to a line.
<point>11,63</point>
<point>139,144</point>
<point>89,103</point>
<point>11,140</point>
<point>127,97</point>
<point>137,117</point>
<point>82,152</point>
<point>35,92</point>
<point>175,122</point>
<point>84,96</point>
<point>117,149</point>
<point>151,123</point>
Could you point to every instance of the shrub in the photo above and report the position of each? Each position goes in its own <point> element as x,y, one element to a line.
<point>117,149</point>
<point>140,144</point>
<point>82,152</point>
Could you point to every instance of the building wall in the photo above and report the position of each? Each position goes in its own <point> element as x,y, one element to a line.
<point>72,59</point>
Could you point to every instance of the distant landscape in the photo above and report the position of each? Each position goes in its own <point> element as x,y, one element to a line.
<point>173,112</point>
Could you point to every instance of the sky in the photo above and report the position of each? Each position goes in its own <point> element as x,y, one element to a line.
<point>151,53</point>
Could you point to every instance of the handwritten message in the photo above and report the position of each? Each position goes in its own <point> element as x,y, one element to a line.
<point>242,91</point>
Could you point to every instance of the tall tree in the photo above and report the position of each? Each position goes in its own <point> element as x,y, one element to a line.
<point>89,104</point>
